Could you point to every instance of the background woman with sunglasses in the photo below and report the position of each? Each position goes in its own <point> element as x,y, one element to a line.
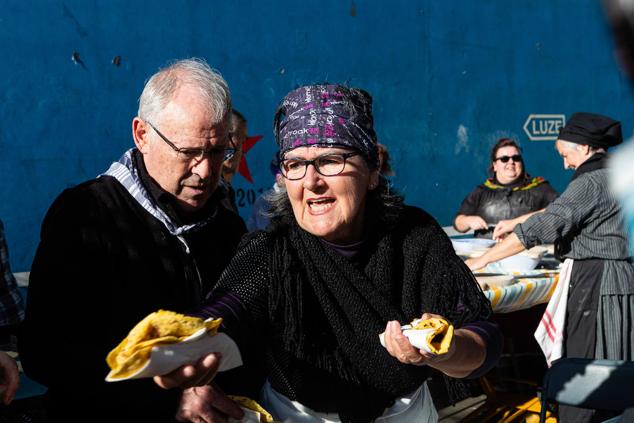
<point>510,192</point>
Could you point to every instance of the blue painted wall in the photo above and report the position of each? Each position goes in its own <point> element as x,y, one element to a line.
<point>448,78</point>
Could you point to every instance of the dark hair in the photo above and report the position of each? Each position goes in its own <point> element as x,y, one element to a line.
<point>501,143</point>
<point>236,120</point>
<point>384,161</point>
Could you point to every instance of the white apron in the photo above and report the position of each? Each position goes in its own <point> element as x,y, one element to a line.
<point>416,407</point>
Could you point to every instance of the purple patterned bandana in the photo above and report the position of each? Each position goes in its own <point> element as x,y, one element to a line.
<point>327,115</point>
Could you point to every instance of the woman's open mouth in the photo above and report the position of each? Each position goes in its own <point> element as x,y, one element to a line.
<point>320,205</point>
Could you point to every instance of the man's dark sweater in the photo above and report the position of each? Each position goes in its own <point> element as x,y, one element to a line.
<point>103,264</point>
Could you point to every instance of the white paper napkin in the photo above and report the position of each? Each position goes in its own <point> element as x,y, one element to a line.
<point>165,358</point>
<point>417,337</point>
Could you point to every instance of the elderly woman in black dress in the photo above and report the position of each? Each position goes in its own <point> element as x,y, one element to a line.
<point>343,260</point>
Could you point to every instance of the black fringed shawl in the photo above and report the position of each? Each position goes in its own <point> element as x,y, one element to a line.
<point>325,311</point>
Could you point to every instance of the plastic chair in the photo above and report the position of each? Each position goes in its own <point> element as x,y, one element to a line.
<point>587,383</point>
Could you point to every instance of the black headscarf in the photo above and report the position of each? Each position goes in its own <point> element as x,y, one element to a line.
<point>591,129</point>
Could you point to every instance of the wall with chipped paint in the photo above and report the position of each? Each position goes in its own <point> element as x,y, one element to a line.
<point>448,79</point>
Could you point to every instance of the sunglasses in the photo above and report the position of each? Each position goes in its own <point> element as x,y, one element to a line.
<point>515,157</point>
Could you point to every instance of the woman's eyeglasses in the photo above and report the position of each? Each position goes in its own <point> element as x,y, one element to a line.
<point>188,154</point>
<point>326,165</point>
<point>517,158</point>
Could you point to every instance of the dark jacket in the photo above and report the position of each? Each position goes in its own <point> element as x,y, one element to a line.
<point>103,264</point>
<point>494,202</point>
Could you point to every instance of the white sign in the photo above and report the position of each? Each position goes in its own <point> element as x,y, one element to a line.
<point>544,127</point>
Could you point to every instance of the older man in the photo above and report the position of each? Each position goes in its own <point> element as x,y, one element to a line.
<point>147,234</point>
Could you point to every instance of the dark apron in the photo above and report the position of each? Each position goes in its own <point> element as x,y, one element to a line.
<point>581,329</point>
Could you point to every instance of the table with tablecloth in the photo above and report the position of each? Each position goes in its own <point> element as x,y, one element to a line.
<point>525,293</point>
<point>531,287</point>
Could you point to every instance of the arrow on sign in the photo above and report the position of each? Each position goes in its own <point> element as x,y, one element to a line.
<point>544,127</point>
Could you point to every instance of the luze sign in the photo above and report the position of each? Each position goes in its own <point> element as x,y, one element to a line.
<point>544,127</point>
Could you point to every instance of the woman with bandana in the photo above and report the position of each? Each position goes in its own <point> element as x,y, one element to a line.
<point>343,260</point>
<point>510,192</point>
<point>587,227</point>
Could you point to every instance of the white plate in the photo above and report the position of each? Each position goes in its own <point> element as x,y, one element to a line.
<point>469,246</point>
<point>496,269</point>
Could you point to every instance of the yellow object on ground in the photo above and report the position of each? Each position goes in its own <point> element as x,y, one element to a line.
<point>439,339</point>
<point>158,328</point>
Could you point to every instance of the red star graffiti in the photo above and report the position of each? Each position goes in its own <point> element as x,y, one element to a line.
<point>243,167</point>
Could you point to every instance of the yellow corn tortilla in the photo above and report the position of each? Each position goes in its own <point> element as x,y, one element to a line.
<point>245,402</point>
<point>440,338</point>
<point>158,328</point>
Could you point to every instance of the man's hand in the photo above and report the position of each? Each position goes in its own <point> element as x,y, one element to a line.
<point>502,228</point>
<point>198,374</point>
<point>207,404</point>
<point>9,378</point>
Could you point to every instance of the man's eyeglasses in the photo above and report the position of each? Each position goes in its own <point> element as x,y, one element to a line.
<point>326,165</point>
<point>188,154</point>
<point>517,158</point>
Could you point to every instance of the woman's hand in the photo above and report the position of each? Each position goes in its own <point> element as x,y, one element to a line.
<point>466,353</point>
<point>465,223</point>
<point>399,347</point>
<point>476,263</point>
<point>509,246</point>
<point>502,228</point>
<point>190,375</point>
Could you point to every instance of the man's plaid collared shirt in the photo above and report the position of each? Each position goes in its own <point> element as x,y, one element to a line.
<point>11,304</point>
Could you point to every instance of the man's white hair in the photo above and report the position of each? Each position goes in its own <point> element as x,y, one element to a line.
<point>161,86</point>
<point>568,145</point>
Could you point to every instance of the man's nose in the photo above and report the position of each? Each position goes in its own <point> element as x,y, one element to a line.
<point>206,166</point>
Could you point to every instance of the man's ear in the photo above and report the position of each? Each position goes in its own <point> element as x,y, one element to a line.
<point>585,149</point>
<point>140,134</point>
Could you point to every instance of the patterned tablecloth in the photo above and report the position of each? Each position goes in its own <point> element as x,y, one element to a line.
<point>525,293</point>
